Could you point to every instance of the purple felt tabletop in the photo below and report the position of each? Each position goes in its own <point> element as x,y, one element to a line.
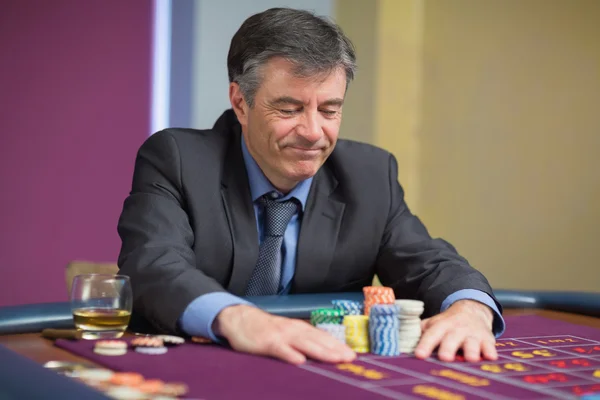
<point>539,358</point>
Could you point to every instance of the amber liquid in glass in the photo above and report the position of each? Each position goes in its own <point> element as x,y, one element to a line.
<point>96,323</point>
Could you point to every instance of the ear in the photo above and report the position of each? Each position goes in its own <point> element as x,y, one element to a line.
<point>238,104</point>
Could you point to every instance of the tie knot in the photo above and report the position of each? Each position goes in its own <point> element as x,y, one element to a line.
<point>277,215</point>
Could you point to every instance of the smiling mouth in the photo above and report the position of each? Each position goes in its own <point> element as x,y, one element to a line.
<point>305,154</point>
<point>305,150</point>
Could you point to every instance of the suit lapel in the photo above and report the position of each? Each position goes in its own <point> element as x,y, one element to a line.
<point>318,234</point>
<point>235,192</point>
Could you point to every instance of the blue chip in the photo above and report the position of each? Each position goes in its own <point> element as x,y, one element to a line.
<point>383,309</point>
<point>349,307</point>
<point>383,330</point>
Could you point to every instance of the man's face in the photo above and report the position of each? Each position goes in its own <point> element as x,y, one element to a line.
<point>294,123</point>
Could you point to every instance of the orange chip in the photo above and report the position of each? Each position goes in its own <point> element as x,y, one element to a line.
<point>371,289</point>
<point>201,340</point>
<point>152,386</point>
<point>127,378</point>
<point>377,295</point>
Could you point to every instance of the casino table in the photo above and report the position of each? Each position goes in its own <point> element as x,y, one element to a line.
<point>550,350</point>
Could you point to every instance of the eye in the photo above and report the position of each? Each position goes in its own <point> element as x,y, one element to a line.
<point>288,112</point>
<point>329,113</point>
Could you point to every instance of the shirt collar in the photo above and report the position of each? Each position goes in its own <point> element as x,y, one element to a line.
<point>260,185</point>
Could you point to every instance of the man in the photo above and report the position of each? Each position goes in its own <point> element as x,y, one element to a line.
<point>269,201</point>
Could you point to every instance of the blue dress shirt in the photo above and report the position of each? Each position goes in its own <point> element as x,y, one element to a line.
<point>198,317</point>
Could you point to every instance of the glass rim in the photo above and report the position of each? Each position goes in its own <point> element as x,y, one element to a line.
<point>92,275</point>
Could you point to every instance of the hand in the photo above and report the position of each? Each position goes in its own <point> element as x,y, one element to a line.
<point>251,330</point>
<point>466,324</point>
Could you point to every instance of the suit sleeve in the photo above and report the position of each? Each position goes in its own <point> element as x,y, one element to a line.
<point>157,238</point>
<point>416,265</point>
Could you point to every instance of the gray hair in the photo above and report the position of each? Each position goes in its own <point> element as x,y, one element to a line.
<point>313,44</point>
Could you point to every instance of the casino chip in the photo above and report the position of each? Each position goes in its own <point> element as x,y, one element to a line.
<point>357,332</point>
<point>151,386</point>
<point>147,341</point>
<point>409,333</point>
<point>174,389</point>
<point>170,340</point>
<point>93,375</point>
<point>149,345</point>
<point>110,347</point>
<point>126,378</point>
<point>326,316</point>
<point>349,307</point>
<point>377,295</point>
<point>338,331</point>
<point>153,351</point>
<point>201,340</point>
<point>126,393</point>
<point>383,330</point>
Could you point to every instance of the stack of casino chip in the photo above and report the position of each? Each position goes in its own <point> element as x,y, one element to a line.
<point>409,319</point>
<point>326,316</point>
<point>149,345</point>
<point>170,340</point>
<point>383,330</point>
<point>110,347</point>
<point>377,295</point>
<point>338,331</point>
<point>349,307</point>
<point>357,332</point>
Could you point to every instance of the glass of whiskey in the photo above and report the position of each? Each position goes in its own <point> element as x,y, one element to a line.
<point>101,305</point>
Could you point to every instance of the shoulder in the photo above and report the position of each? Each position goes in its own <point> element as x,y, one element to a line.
<point>361,170</point>
<point>185,138</point>
<point>356,157</point>
<point>186,144</point>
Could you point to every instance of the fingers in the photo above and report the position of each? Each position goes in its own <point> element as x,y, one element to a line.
<point>425,324</point>
<point>489,350</point>
<point>295,341</point>
<point>286,353</point>
<point>450,344</point>
<point>332,345</point>
<point>323,347</point>
<point>444,333</point>
<point>430,339</point>
<point>330,349</point>
<point>472,349</point>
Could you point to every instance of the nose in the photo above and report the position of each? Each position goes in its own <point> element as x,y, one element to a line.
<point>311,128</point>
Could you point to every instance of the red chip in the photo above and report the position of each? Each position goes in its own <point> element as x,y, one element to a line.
<point>147,342</point>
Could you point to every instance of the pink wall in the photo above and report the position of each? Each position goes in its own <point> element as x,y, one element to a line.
<point>74,108</point>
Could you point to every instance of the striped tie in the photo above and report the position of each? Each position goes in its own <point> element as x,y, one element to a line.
<point>266,276</point>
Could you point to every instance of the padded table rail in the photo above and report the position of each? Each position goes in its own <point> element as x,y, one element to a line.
<point>36,317</point>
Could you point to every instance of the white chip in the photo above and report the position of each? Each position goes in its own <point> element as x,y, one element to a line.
<point>409,307</point>
<point>409,329</point>
<point>171,340</point>
<point>125,393</point>
<point>151,350</point>
<point>111,344</point>
<point>109,352</point>
<point>94,374</point>
<point>410,303</point>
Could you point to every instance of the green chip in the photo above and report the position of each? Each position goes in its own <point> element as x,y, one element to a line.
<point>326,316</point>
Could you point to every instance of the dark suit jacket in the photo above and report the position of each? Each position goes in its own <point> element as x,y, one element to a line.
<point>188,227</point>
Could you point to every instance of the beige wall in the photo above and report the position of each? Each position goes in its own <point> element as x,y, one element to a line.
<point>359,112</point>
<point>505,131</point>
